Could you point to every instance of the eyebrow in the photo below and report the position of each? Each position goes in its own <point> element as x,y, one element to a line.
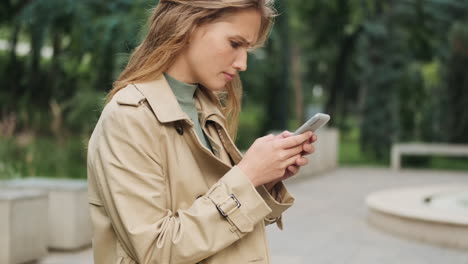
<point>243,40</point>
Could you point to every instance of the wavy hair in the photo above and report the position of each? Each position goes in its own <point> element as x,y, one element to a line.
<point>170,26</point>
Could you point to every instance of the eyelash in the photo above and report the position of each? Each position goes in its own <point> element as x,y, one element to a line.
<point>235,45</point>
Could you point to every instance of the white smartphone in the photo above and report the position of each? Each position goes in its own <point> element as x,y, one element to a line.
<point>314,123</point>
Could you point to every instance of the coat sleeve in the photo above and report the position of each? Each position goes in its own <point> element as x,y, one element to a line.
<point>129,170</point>
<point>279,200</point>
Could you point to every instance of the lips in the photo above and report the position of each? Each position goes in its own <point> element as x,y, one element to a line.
<point>228,76</point>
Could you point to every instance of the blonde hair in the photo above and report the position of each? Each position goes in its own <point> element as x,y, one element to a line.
<point>170,26</point>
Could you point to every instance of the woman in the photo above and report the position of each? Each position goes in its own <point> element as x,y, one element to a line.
<point>166,182</point>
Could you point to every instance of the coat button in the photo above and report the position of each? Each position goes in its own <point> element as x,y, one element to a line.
<point>179,130</point>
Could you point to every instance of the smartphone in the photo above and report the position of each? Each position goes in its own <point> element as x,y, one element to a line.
<point>314,123</point>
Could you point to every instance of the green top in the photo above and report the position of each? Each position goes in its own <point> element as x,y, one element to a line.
<point>185,93</point>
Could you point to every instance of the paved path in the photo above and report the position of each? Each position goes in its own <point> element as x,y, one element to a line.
<point>328,224</point>
<point>79,257</point>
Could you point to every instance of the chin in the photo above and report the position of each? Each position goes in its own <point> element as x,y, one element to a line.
<point>215,86</point>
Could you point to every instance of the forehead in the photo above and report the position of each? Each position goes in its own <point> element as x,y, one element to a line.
<point>244,23</point>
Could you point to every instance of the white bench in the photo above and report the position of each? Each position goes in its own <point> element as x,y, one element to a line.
<point>423,149</point>
<point>23,226</point>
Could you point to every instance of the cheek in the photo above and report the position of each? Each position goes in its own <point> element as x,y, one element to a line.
<point>220,54</point>
<point>205,57</point>
<point>208,59</point>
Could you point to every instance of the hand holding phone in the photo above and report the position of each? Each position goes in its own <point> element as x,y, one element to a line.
<point>314,123</point>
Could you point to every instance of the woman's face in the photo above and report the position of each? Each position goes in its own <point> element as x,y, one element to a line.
<point>218,51</point>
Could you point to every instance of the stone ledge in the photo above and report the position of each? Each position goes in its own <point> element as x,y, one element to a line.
<point>447,235</point>
<point>409,202</point>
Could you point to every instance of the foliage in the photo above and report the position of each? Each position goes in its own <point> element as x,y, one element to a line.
<point>43,156</point>
<point>372,58</point>
<point>248,124</point>
<point>350,153</point>
<point>455,96</point>
<point>394,67</point>
<point>85,37</point>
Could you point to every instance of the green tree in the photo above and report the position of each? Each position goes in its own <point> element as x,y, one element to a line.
<point>455,97</point>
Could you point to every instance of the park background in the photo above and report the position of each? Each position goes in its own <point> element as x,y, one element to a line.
<point>387,71</point>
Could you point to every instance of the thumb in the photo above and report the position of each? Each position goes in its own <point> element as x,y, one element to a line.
<point>284,134</point>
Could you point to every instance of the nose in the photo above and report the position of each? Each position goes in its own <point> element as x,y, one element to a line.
<point>240,63</point>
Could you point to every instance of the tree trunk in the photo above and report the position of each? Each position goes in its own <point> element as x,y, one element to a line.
<point>14,71</point>
<point>297,84</point>
<point>338,84</point>
<point>34,70</point>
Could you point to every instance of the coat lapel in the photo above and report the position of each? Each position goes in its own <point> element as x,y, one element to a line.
<point>164,104</point>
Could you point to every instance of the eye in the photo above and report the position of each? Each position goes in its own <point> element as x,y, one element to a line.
<point>235,45</point>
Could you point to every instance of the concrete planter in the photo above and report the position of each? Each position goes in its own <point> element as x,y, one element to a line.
<point>325,157</point>
<point>23,226</point>
<point>69,221</point>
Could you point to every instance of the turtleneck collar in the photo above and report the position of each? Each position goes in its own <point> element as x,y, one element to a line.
<point>184,92</point>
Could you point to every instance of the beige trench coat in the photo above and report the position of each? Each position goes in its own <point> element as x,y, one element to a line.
<point>157,195</point>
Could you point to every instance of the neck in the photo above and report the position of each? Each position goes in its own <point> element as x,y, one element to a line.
<point>180,71</point>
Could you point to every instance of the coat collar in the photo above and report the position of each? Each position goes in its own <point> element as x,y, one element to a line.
<point>162,100</point>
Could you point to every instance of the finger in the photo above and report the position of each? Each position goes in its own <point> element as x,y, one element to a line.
<point>292,152</point>
<point>293,141</point>
<point>287,134</point>
<point>293,169</point>
<point>314,138</point>
<point>266,138</point>
<point>308,149</point>
<point>290,171</point>
<point>302,161</point>
<point>284,134</point>
<point>290,161</point>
